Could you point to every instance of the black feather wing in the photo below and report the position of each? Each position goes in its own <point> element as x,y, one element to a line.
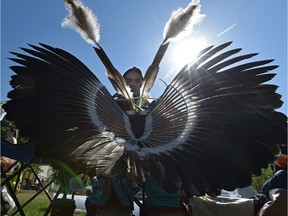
<point>214,127</point>
<point>61,106</point>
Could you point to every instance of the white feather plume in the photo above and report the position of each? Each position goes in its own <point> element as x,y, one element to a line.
<point>182,21</point>
<point>82,20</point>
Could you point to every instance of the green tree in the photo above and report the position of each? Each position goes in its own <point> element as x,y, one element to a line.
<point>257,182</point>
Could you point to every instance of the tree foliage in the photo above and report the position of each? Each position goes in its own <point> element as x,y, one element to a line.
<point>257,182</point>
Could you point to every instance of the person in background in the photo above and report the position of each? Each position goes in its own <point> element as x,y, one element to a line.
<point>275,190</point>
<point>279,179</point>
<point>12,135</point>
<point>7,203</point>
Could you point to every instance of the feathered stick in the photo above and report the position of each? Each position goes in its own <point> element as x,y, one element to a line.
<point>84,21</point>
<point>180,24</point>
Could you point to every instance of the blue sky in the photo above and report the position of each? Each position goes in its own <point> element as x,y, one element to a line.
<point>131,32</point>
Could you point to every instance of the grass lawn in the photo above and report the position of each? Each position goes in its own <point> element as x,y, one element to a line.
<point>36,207</point>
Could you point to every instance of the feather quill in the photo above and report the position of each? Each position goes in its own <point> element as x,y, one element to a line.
<point>179,25</point>
<point>82,20</point>
<point>182,21</point>
<point>114,76</point>
<point>153,70</point>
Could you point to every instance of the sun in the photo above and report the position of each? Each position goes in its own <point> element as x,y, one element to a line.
<point>186,50</point>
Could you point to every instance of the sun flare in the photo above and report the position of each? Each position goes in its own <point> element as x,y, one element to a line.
<point>186,50</point>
